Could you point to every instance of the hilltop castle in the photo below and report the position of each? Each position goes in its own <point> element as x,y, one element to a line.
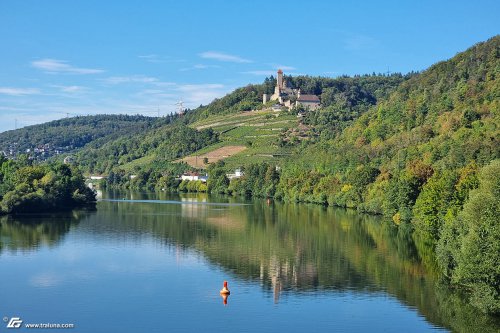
<point>285,95</point>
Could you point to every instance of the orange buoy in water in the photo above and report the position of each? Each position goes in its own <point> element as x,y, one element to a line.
<point>224,290</point>
<point>224,298</point>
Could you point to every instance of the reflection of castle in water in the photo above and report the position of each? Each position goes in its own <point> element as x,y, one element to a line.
<point>285,275</point>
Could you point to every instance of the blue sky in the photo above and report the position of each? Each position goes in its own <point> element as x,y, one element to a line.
<point>89,57</point>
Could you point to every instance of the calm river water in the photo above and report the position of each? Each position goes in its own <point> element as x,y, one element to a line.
<point>156,263</point>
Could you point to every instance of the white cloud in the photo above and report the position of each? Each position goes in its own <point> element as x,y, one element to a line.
<point>70,89</point>
<point>130,79</point>
<point>195,94</point>
<point>223,57</point>
<point>269,72</point>
<point>137,79</point>
<point>55,66</point>
<point>284,67</point>
<point>194,87</point>
<point>150,58</point>
<point>19,91</point>
<point>198,66</point>
<point>155,58</point>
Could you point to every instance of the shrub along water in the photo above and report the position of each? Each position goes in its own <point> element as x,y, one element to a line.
<point>29,188</point>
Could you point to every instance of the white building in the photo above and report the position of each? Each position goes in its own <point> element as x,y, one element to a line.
<point>237,174</point>
<point>194,176</point>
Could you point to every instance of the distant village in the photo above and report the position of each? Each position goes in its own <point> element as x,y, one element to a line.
<point>39,152</point>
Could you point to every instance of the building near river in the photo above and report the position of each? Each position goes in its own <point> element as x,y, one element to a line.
<point>194,176</point>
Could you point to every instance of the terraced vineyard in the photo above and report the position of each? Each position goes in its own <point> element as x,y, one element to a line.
<point>246,137</point>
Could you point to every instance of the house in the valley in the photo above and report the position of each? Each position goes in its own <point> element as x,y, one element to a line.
<point>194,176</point>
<point>237,174</point>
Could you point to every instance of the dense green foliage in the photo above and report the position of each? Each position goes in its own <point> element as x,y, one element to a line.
<point>69,134</point>
<point>38,188</point>
<point>165,143</point>
<point>469,247</point>
<point>342,98</point>
<point>159,175</point>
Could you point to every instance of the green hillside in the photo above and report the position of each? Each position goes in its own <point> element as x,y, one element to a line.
<point>237,119</point>
<point>70,134</point>
<point>440,120</point>
<point>428,155</point>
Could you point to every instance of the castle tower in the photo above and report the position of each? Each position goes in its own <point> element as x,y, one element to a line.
<point>280,79</point>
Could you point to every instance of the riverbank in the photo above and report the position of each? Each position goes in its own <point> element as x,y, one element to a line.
<point>53,187</point>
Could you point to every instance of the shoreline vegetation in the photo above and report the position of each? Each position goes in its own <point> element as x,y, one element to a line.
<point>35,188</point>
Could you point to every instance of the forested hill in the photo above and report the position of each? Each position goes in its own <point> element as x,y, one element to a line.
<point>351,96</point>
<point>69,134</point>
<point>344,91</point>
<point>427,156</point>
<point>440,121</point>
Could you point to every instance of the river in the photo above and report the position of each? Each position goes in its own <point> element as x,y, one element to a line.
<point>146,262</point>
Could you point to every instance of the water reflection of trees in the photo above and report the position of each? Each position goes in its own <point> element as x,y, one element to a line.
<point>25,233</point>
<point>300,249</point>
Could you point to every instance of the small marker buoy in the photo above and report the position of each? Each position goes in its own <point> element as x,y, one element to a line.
<point>224,290</point>
<point>224,298</point>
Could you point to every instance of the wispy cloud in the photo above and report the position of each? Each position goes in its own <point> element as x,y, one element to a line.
<point>198,66</point>
<point>70,89</point>
<point>283,67</point>
<point>155,93</point>
<point>156,58</point>
<point>19,91</point>
<point>130,79</point>
<point>189,87</point>
<point>150,58</point>
<point>223,57</point>
<point>269,72</point>
<point>55,66</point>
<point>196,94</point>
